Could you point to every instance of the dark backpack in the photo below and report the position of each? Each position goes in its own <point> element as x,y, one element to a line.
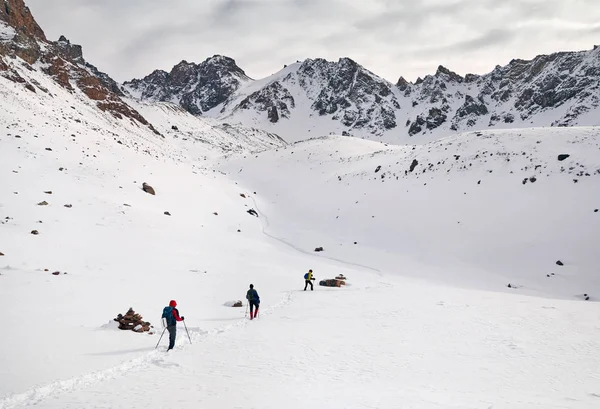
<point>168,315</point>
<point>306,276</point>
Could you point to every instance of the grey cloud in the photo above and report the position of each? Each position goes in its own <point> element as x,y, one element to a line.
<point>391,37</point>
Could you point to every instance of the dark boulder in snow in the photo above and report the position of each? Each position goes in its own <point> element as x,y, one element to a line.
<point>175,128</point>
<point>378,168</point>
<point>167,214</point>
<point>319,249</point>
<point>148,189</point>
<point>1,253</point>
<point>595,210</point>
<point>43,203</point>
<point>559,263</point>
<point>413,165</point>
<point>35,232</point>
<point>563,156</point>
<point>68,206</point>
<point>253,212</point>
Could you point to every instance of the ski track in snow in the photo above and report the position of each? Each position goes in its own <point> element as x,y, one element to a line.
<point>156,357</point>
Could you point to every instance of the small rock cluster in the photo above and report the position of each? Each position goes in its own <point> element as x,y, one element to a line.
<point>133,321</point>
<point>338,281</point>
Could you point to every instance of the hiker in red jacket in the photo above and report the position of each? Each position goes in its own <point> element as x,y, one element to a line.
<point>171,314</point>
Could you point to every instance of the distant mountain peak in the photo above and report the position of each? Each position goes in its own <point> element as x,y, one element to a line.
<point>445,73</point>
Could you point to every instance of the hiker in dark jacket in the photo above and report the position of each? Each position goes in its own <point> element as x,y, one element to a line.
<point>308,279</point>
<point>253,300</point>
<point>171,314</point>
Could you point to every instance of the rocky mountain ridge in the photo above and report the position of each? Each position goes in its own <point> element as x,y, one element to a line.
<point>561,89</point>
<point>23,38</point>
<point>40,71</point>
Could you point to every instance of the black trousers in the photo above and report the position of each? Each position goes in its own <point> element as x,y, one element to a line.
<point>172,335</point>
<point>252,305</point>
<point>306,283</point>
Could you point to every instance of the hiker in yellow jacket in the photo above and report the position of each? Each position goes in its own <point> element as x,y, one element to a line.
<point>308,279</point>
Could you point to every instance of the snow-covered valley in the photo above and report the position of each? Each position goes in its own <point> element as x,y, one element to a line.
<point>471,261</point>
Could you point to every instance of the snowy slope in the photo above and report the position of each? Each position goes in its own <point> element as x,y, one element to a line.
<point>480,209</point>
<point>201,136</point>
<point>385,338</point>
<point>114,243</point>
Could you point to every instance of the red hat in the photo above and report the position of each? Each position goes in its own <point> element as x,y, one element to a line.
<point>173,303</point>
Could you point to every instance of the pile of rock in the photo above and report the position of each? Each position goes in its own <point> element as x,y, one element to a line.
<point>133,321</point>
<point>339,281</point>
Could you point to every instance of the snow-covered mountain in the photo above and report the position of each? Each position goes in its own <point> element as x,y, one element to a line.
<point>321,97</point>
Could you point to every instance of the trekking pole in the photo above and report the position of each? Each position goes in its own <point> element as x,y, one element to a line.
<point>188,332</point>
<point>246,313</point>
<point>161,335</point>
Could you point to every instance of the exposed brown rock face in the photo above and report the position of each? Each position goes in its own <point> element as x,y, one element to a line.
<point>16,14</point>
<point>63,61</point>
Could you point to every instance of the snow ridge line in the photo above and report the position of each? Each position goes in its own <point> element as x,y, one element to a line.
<point>40,393</point>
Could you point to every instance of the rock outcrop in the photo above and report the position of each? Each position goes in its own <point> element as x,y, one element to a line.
<point>23,38</point>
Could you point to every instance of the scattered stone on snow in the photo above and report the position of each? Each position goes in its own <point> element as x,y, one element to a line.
<point>48,192</point>
<point>252,212</point>
<point>559,263</point>
<point>43,203</point>
<point>167,214</point>
<point>319,249</point>
<point>563,156</point>
<point>243,195</point>
<point>1,253</point>
<point>68,206</point>
<point>413,165</point>
<point>35,232</point>
<point>148,189</point>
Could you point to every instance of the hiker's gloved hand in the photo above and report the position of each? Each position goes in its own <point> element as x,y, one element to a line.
<point>182,318</point>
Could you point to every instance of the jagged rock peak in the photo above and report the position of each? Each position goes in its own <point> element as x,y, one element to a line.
<point>71,52</point>
<point>443,72</point>
<point>17,15</point>
<point>402,84</point>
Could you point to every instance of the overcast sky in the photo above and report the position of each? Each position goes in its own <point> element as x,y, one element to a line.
<point>131,38</point>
